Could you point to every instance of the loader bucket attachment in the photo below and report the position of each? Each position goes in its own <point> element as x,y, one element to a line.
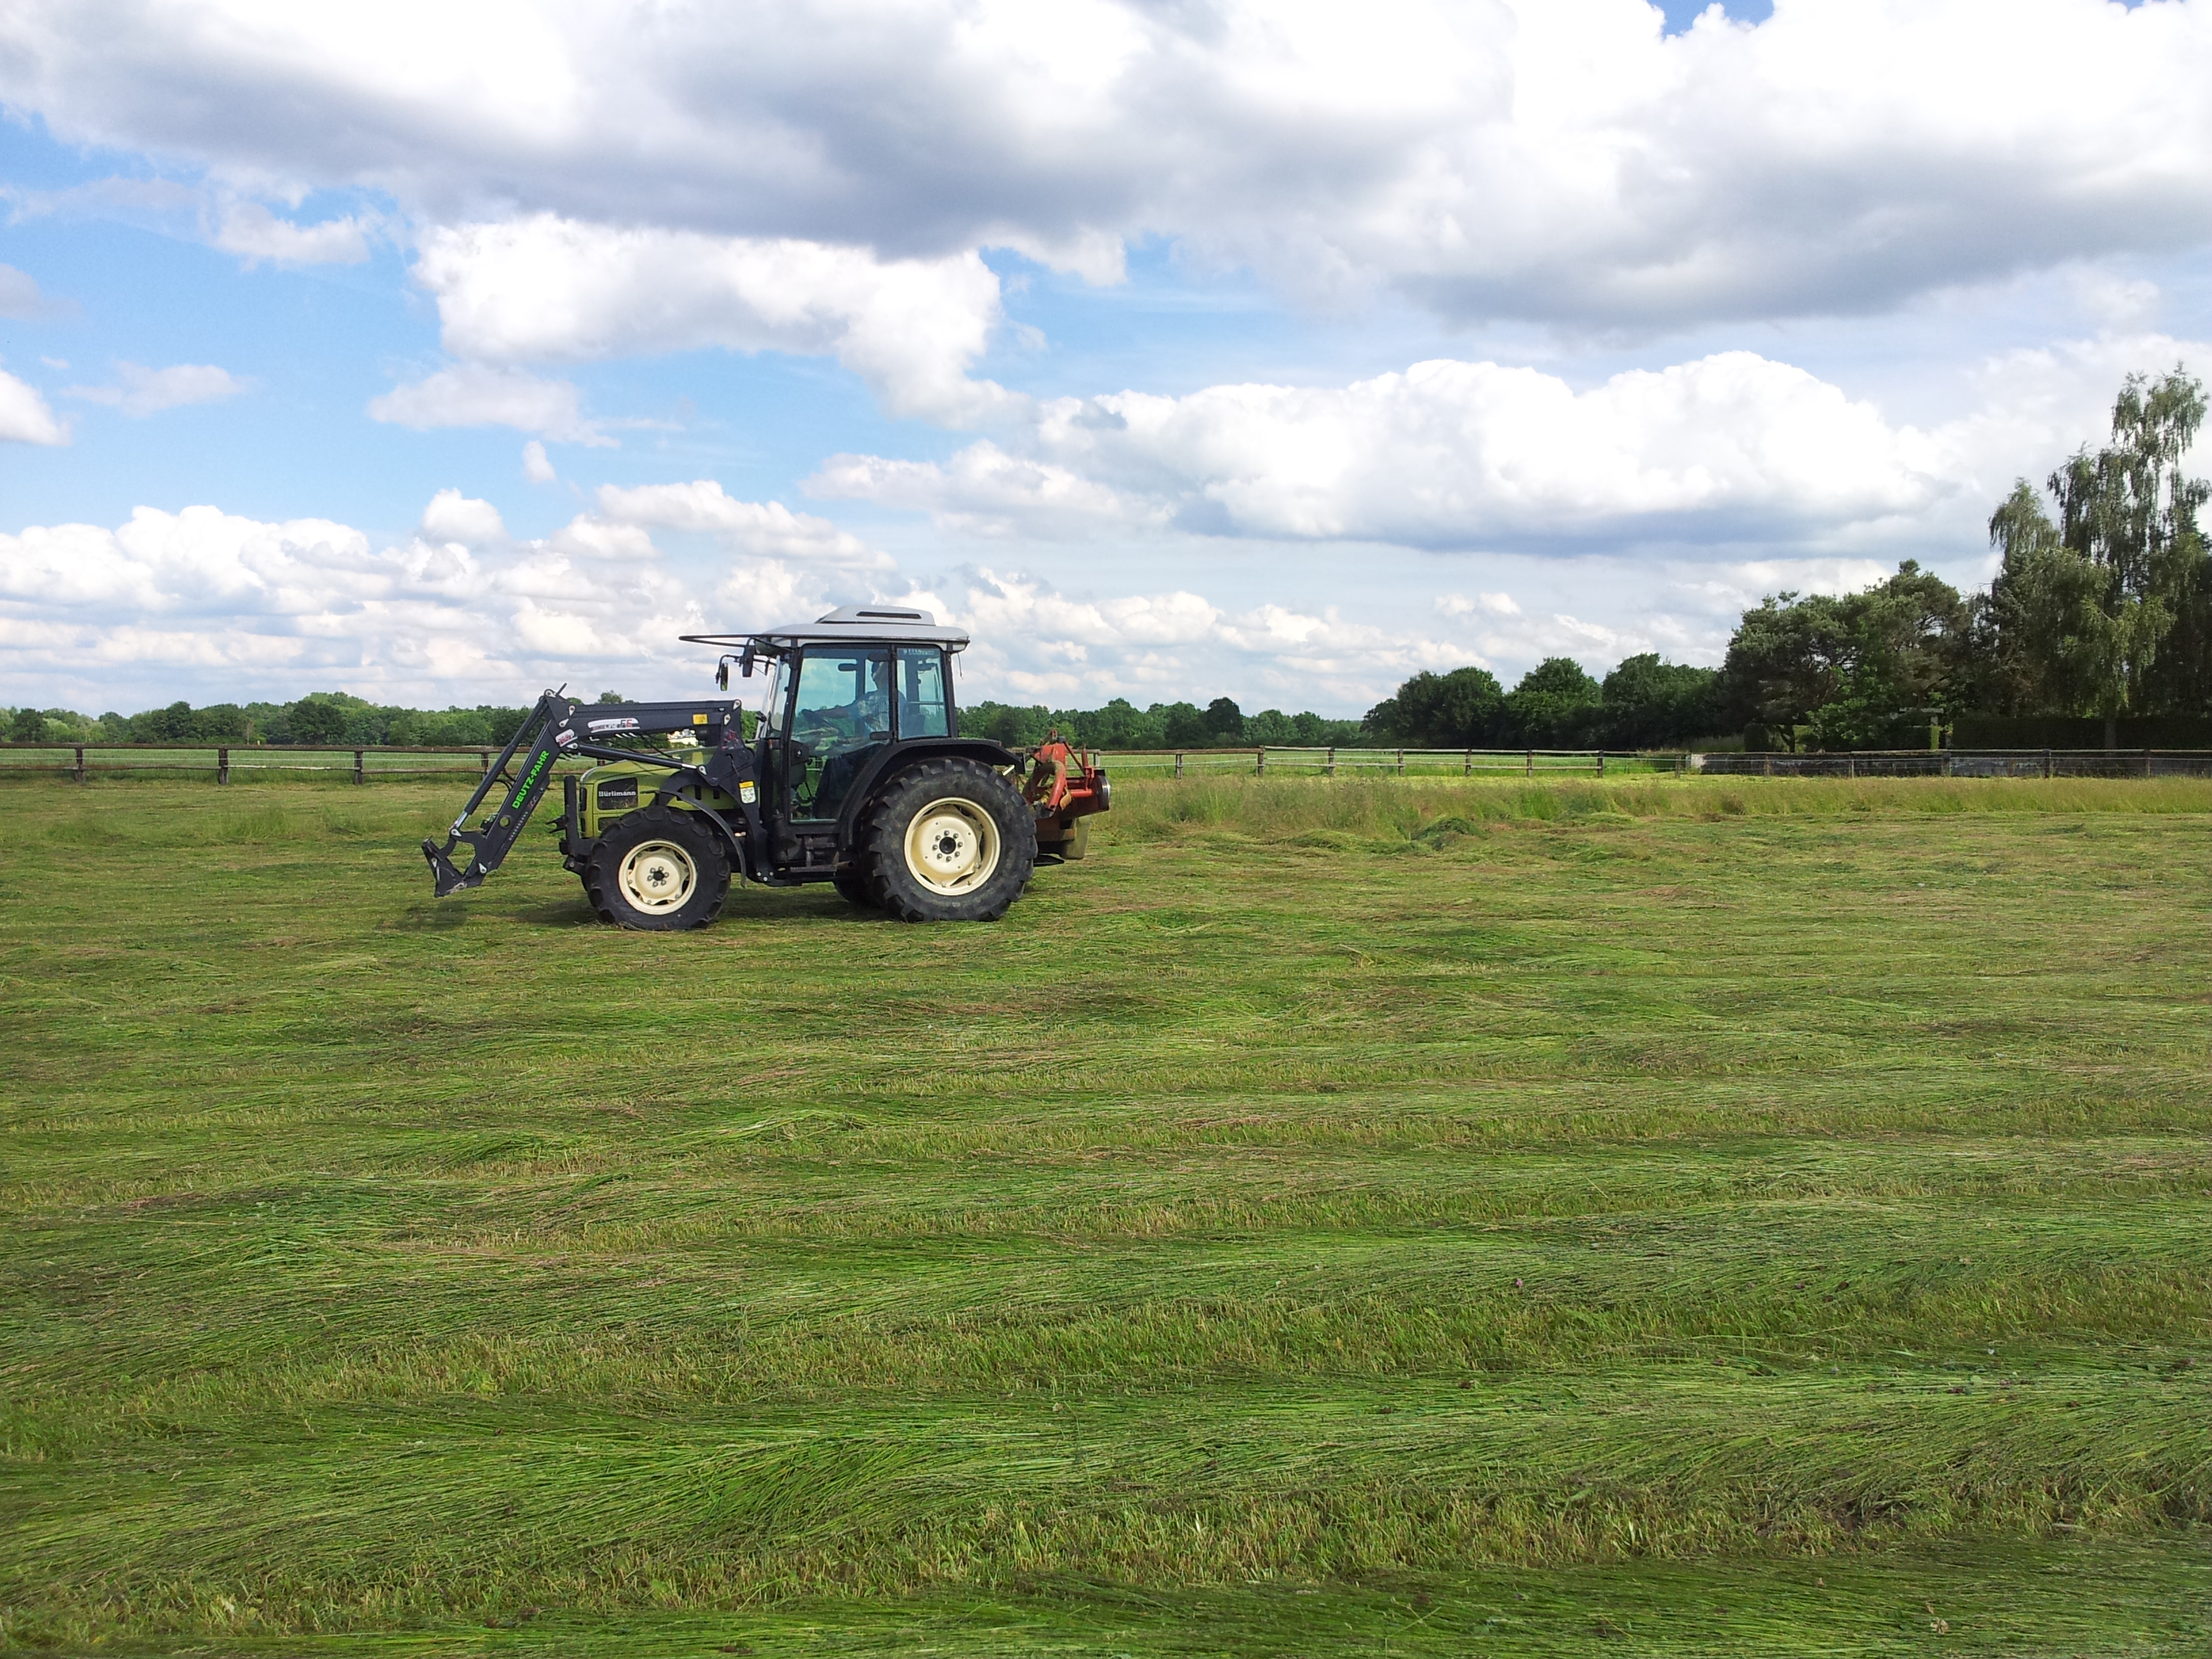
<point>487,844</point>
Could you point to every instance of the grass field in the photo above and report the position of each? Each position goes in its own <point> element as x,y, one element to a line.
<point>1656,1216</point>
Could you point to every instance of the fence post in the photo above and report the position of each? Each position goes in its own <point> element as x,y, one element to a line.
<point>1260,762</point>
<point>1178,762</point>
<point>1766,767</point>
<point>2145,763</point>
<point>222,766</point>
<point>80,762</point>
<point>1946,763</point>
<point>1468,771</point>
<point>2046,764</point>
<point>484,755</point>
<point>1328,767</point>
<point>1401,763</point>
<point>1532,762</point>
<point>1600,762</point>
<point>357,776</point>
<point>1850,766</point>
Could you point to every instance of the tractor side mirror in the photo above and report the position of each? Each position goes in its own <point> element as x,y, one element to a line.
<point>722,675</point>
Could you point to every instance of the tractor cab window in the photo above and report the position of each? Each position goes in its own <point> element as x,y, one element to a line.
<point>924,710</point>
<point>841,714</point>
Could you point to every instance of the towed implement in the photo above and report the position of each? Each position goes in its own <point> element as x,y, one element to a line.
<point>852,770</point>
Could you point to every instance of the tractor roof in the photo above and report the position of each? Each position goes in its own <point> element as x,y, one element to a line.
<point>851,624</point>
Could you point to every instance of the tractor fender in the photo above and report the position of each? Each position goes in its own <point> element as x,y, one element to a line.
<point>894,756</point>
<point>668,794</point>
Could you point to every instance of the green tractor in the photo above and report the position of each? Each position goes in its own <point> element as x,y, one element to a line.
<point>852,770</point>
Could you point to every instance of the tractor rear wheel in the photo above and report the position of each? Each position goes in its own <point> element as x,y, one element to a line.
<point>950,840</point>
<point>658,869</point>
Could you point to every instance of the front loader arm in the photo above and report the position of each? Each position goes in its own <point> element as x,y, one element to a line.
<point>554,728</point>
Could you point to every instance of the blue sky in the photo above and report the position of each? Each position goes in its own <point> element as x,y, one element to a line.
<point>1258,349</point>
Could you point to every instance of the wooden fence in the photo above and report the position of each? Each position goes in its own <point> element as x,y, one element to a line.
<point>1967,764</point>
<point>1287,761</point>
<point>223,762</point>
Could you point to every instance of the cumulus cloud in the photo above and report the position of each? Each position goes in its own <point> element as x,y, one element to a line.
<point>464,607</point>
<point>453,517</point>
<point>473,394</point>
<point>535,467</point>
<point>146,390</point>
<point>545,289</point>
<point>758,529</point>
<point>175,602</point>
<point>1495,604</point>
<point>1446,454</point>
<point>1553,159</point>
<point>24,417</point>
<point>252,232</point>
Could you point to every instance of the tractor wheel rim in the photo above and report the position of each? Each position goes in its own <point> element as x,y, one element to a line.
<point>657,876</point>
<point>952,846</point>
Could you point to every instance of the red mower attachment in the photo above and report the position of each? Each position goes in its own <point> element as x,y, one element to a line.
<point>1064,788</point>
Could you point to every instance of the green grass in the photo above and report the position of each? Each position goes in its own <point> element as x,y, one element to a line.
<point>1725,1216</point>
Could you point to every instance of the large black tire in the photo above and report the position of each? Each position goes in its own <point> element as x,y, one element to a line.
<point>660,870</point>
<point>854,886</point>
<point>948,840</point>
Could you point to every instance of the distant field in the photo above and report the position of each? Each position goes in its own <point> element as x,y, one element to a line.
<point>1737,1217</point>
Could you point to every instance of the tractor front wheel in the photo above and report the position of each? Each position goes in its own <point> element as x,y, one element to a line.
<point>950,840</point>
<point>660,870</point>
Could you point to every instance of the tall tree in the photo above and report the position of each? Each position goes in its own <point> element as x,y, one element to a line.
<point>2104,610</point>
<point>1861,671</point>
<point>1458,710</point>
<point>1556,703</point>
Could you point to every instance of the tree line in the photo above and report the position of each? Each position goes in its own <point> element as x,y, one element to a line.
<point>322,717</point>
<point>1121,724</point>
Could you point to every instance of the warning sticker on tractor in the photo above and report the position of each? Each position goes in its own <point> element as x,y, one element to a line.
<point>628,723</point>
<point>564,737</point>
<point>748,792</point>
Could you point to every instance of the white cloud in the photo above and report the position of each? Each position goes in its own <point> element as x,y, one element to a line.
<point>24,417</point>
<point>1495,604</point>
<point>20,295</point>
<point>472,394</point>
<point>453,517</point>
<point>1445,455</point>
<point>146,390</point>
<point>758,529</point>
<point>545,289</point>
<point>251,231</point>
<point>535,467</point>
<point>985,490</point>
<point>1553,159</point>
<point>213,605</point>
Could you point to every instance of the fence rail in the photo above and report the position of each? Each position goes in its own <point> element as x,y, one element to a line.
<point>1967,764</point>
<point>1346,761</point>
<point>83,761</point>
<point>376,762</point>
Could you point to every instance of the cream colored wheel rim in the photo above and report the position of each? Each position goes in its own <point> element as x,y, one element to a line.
<point>657,877</point>
<point>952,846</point>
